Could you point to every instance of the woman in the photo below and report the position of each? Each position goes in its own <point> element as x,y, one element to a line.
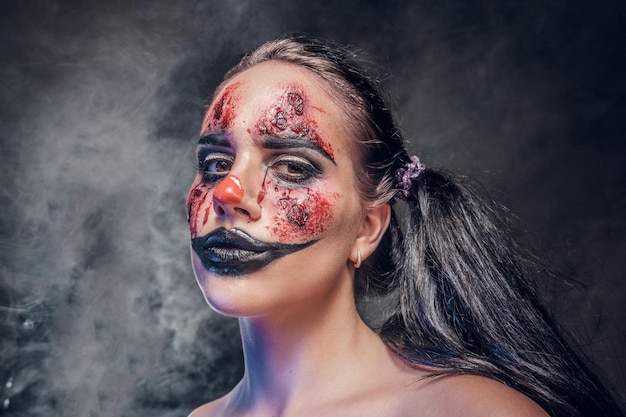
<point>301,169</point>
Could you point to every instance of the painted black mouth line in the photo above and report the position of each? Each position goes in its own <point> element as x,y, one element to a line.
<point>234,252</point>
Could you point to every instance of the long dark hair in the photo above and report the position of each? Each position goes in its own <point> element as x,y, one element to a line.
<point>465,303</point>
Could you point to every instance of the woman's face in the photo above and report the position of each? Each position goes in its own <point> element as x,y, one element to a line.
<point>273,210</point>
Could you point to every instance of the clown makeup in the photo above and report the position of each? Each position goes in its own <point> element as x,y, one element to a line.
<point>269,164</point>
<point>290,118</point>
<point>234,252</point>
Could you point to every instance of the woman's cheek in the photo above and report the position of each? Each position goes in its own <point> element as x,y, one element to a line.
<point>199,202</point>
<point>300,215</point>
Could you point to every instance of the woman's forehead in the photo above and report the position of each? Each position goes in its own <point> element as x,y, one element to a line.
<point>275,86</point>
<point>277,76</point>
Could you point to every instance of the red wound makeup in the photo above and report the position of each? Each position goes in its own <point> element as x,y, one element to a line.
<point>300,214</point>
<point>221,116</point>
<point>290,117</point>
<point>199,203</point>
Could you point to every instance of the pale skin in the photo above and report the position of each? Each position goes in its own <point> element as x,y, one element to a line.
<point>307,351</point>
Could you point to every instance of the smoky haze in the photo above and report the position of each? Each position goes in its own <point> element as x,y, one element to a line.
<point>101,102</point>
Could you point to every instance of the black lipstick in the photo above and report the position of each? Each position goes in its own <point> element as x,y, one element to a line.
<point>234,252</point>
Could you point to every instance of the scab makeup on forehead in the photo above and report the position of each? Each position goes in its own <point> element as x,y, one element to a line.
<point>290,117</point>
<point>223,112</point>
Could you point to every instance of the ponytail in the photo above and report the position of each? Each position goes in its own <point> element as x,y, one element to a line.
<point>465,305</point>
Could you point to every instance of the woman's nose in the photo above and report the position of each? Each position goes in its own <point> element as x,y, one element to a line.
<point>231,200</point>
<point>229,191</point>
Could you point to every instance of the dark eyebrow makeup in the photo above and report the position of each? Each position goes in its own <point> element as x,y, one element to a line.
<point>294,142</point>
<point>215,139</point>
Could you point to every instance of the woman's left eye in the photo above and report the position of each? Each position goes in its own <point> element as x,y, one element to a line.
<point>294,170</point>
<point>215,166</point>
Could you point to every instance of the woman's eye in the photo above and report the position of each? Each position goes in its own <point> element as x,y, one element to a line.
<point>218,166</point>
<point>294,171</point>
<point>213,168</point>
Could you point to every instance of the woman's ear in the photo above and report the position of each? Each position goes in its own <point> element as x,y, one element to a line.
<point>373,226</point>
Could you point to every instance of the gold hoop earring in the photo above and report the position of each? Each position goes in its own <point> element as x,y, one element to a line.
<point>357,264</point>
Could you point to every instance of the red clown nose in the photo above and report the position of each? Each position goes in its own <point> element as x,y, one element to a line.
<point>229,191</point>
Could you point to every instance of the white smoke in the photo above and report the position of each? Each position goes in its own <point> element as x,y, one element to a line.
<point>101,103</point>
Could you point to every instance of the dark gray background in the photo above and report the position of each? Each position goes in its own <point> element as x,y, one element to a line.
<point>100,103</point>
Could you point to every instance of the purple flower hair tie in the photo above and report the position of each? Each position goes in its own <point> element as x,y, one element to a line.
<point>407,173</point>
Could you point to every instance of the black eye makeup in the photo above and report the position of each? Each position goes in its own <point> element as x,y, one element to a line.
<point>291,162</point>
<point>214,157</point>
<point>213,166</point>
<point>294,143</point>
<point>293,170</point>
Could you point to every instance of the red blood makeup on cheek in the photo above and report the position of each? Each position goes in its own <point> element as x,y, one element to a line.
<point>223,112</point>
<point>291,117</point>
<point>199,204</point>
<point>302,214</point>
<point>261,195</point>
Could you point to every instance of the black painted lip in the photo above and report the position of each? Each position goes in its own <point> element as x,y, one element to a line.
<point>234,252</point>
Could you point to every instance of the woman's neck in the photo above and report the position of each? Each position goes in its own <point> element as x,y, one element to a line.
<point>306,354</point>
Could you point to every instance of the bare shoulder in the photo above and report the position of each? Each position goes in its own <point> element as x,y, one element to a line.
<point>484,396</point>
<point>469,395</point>
<point>211,409</point>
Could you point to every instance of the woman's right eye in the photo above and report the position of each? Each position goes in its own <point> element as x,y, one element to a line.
<point>294,170</point>
<point>214,167</point>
